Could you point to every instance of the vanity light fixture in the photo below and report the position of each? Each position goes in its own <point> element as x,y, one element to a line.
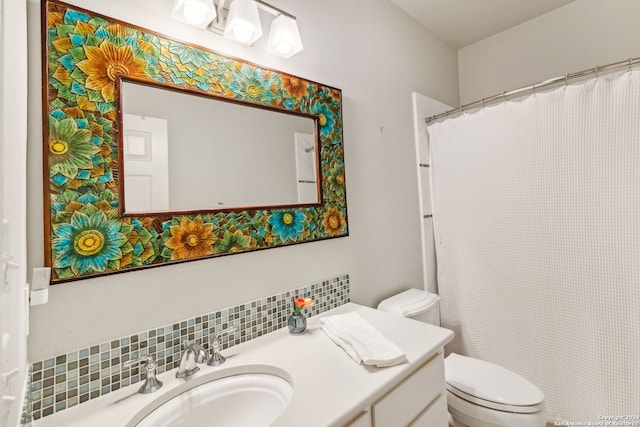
<point>241,22</point>
<point>194,12</point>
<point>284,38</point>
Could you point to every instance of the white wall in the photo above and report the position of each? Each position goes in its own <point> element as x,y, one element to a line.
<point>377,55</point>
<point>13,208</point>
<point>580,35</point>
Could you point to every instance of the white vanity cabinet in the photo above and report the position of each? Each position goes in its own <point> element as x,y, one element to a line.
<point>434,415</point>
<point>419,400</point>
<point>412,398</point>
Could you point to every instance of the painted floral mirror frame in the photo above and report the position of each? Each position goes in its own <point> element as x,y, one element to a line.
<point>86,234</point>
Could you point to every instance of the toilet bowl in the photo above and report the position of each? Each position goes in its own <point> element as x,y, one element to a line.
<point>479,393</point>
<point>482,394</point>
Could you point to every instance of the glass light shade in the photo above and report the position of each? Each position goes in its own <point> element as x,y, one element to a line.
<point>243,22</point>
<point>284,38</point>
<point>194,12</point>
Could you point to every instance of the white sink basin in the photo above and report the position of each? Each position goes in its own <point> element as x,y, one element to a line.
<point>242,400</point>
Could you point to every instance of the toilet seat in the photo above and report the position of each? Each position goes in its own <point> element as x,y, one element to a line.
<point>524,409</point>
<point>491,386</point>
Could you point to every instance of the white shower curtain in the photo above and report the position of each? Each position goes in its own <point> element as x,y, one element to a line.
<point>537,227</point>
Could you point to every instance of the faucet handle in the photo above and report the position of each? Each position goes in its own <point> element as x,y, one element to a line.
<point>141,359</point>
<point>217,358</point>
<point>151,383</point>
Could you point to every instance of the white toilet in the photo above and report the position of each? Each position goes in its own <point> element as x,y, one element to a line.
<point>479,393</point>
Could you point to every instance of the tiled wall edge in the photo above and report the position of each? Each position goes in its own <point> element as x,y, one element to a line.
<point>25,417</point>
<point>73,378</point>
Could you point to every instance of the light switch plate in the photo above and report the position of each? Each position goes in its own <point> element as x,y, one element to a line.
<point>40,278</point>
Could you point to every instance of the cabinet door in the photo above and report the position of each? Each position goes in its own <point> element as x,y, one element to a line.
<point>406,402</point>
<point>435,415</point>
<point>363,420</point>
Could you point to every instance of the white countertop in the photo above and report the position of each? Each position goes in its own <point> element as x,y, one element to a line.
<point>329,388</point>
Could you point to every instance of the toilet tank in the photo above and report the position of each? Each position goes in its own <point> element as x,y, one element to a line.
<point>414,304</point>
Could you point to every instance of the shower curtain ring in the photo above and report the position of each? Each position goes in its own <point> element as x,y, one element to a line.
<point>566,79</point>
<point>629,66</point>
<point>597,75</point>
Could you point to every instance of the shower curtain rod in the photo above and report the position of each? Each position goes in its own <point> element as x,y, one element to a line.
<point>527,90</point>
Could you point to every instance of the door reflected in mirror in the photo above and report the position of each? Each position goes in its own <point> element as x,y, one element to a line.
<point>185,152</point>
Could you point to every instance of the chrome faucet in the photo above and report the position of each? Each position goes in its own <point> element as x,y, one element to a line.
<point>151,383</point>
<point>216,358</point>
<point>191,356</point>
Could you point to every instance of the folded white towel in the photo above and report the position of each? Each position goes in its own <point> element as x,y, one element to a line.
<point>361,341</point>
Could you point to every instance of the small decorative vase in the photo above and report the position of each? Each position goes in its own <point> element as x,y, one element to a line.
<point>297,323</point>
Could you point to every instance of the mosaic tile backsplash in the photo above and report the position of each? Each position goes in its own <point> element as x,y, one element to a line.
<point>73,378</point>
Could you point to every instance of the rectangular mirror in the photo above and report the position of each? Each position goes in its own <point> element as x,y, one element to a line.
<point>173,142</point>
<point>248,158</point>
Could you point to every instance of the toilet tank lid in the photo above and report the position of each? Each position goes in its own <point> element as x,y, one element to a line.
<point>409,303</point>
<point>490,382</point>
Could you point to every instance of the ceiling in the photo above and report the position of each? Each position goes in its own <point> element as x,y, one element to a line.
<point>462,22</point>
